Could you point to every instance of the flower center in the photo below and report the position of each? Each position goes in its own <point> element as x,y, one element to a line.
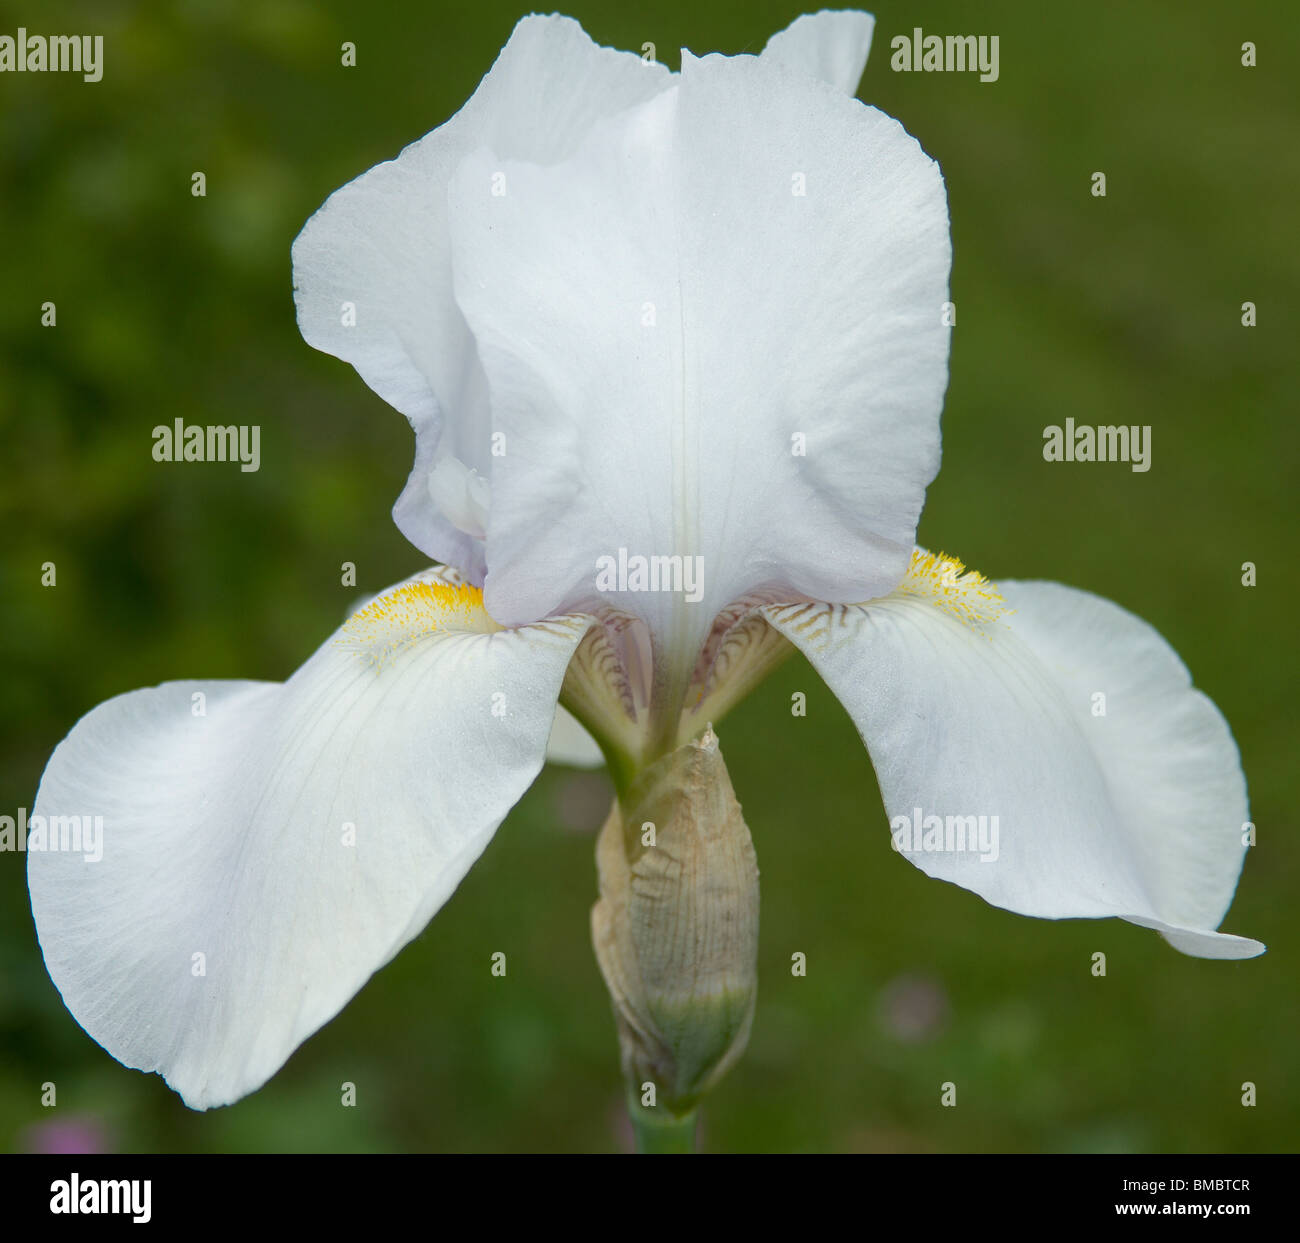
<point>641,700</point>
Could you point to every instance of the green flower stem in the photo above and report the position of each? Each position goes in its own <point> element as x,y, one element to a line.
<point>658,1131</point>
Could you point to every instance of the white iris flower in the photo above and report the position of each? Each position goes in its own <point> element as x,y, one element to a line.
<point>674,353</point>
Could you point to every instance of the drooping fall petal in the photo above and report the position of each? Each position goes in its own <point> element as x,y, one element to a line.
<point>267,847</point>
<point>972,710</point>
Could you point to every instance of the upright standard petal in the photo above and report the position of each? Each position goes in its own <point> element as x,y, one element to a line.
<point>1056,759</point>
<point>831,45</point>
<point>716,334</point>
<point>266,848</point>
<point>372,272</point>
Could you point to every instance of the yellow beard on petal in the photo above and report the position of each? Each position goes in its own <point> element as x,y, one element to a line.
<point>411,612</point>
<point>943,581</point>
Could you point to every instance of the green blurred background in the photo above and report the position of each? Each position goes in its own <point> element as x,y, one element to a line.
<point>1117,310</point>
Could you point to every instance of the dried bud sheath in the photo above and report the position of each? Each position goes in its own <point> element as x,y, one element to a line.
<point>676,925</point>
